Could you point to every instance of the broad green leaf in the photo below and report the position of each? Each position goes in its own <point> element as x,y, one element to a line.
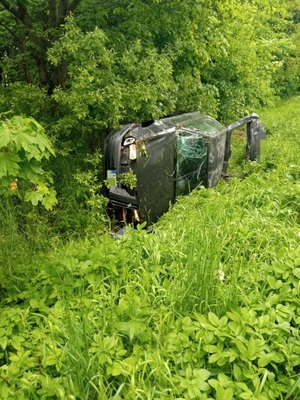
<point>213,319</point>
<point>34,125</point>
<point>5,136</point>
<point>49,200</point>
<point>223,321</point>
<point>16,342</point>
<point>237,372</point>
<point>31,170</point>
<point>266,359</point>
<point>228,395</point>
<point>202,374</point>
<point>263,321</point>
<point>214,383</point>
<point>296,272</point>
<point>9,164</point>
<point>5,390</point>
<point>224,394</point>
<point>194,392</point>
<point>251,348</point>
<point>3,342</point>
<point>272,299</point>
<point>246,395</point>
<point>222,361</point>
<point>203,386</point>
<point>43,189</point>
<point>33,197</point>
<point>117,369</point>
<point>234,315</point>
<point>25,140</point>
<point>242,348</point>
<point>34,303</point>
<point>214,358</point>
<point>224,380</point>
<point>243,386</point>
<point>29,135</point>
<point>297,261</point>
<point>44,145</point>
<point>210,348</point>
<point>50,359</point>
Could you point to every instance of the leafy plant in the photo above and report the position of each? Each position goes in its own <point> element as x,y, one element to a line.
<point>128,179</point>
<point>23,147</point>
<point>90,191</point>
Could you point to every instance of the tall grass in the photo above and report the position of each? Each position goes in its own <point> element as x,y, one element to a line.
<point>205,306</point>
<point>17,245</point>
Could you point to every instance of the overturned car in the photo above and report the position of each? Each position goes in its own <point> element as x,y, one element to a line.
<point>147,165</point>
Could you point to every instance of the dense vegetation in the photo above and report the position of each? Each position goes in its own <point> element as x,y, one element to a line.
<point>215,316</point>
<point>80,66</point>
<point>207,305</point>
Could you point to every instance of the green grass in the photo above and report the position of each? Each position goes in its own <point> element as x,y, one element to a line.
<point>205,307</point>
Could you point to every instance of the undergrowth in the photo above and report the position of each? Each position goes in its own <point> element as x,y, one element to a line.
<point>205,307</point>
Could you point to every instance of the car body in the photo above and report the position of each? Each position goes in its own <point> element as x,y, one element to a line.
<point>169,157</point>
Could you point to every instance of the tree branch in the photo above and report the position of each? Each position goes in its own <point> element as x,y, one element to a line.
<point>65,9</point>
<point>52,13</point>
<point>23,14</point>
<point>8,7</point>
<point>73,5</point>
<point>9,30</point>
<point>20,12</point>
<point>62,11</point>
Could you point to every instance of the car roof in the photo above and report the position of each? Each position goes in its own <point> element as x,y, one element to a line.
<point>196,121</point>
<point>192,123</point>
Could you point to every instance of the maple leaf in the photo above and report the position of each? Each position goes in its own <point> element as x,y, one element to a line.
<point>9,164</point>
<point>33,197</point>
<point>5,135</point>
<point>31,170</point>
<point>50,200</point>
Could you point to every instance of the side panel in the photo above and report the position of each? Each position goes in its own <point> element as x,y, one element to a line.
<point>216,152</point>
<point>155,172</point>
<point>256,139</point>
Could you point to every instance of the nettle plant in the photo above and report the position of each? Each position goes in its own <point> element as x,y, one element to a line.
<point>23,148</point>
<point>128,179</point>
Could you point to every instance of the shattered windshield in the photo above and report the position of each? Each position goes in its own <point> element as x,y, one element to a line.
<point>191,152</point>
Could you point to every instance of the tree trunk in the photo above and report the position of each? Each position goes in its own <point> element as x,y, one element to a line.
<point>57,10</point>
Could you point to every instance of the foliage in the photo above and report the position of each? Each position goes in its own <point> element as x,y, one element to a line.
<point>23,146</point>
<point>128,179</point>
<point>206,306</point>
<point>88,67</point>
<point>20,99</point>
<point>32,27</point>
<point>92,199</point>
<point>27,230</point>
<point>110,87</point>
<point>287,81</point>
<point>251,42</point>
<point>206,57</point>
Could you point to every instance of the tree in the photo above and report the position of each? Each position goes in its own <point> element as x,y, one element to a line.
<point>287,78</point>
<point>110,61</point>
<point>33,26</point>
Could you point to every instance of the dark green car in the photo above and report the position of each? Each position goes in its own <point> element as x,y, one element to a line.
<point>147,165</point>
